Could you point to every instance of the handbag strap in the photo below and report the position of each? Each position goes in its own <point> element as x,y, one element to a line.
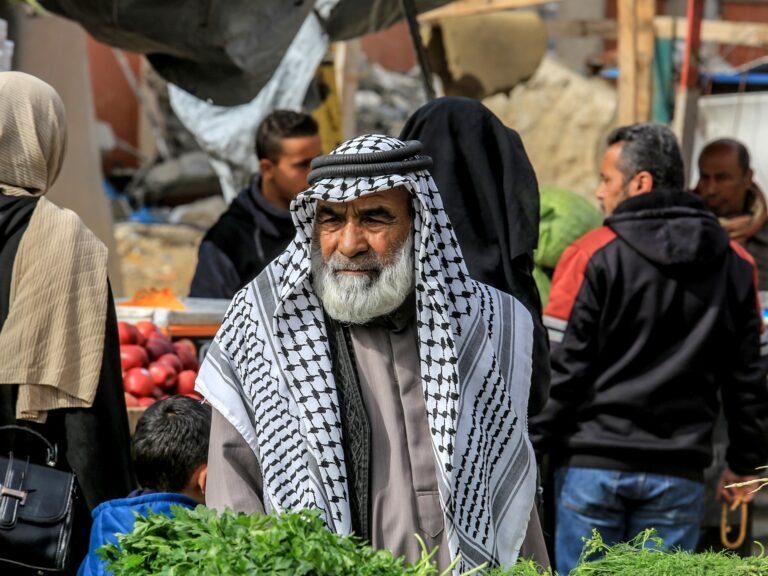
<point>52,450</point>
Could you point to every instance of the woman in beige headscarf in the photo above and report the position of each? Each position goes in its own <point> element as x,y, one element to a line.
<point>59,352</point>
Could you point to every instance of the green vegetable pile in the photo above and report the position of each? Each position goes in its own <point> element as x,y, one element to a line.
<point>201,542</point>
<point>643,556</point>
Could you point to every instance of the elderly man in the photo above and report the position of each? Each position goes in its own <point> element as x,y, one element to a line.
<point>727,187</point>
<point>365,374</point>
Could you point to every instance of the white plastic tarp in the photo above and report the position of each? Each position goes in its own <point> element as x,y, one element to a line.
<point>227,134</point>
<point>738,116</point>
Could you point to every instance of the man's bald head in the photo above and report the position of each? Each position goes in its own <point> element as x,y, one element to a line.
<point>725,177</point>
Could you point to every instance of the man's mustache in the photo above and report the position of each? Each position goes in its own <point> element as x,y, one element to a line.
<point>363,263</point>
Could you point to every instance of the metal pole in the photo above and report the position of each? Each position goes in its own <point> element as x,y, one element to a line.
<point>409,11</point>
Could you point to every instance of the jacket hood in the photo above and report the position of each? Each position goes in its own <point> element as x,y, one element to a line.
<point>250,205</point>
<point>670,228</point>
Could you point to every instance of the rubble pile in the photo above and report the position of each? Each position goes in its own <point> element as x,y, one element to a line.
<point>563,119</point>
<point>386,99</point>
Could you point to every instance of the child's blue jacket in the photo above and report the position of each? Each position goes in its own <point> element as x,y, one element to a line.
<point>117,517</point>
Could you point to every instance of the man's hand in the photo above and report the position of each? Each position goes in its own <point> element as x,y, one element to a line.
<point>734,495</point>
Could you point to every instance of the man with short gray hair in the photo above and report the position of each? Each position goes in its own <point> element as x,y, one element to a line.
<point>365,374</point>
<point>650,318</point>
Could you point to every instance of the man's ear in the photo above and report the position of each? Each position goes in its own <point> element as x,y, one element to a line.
<point>266,167</point>
<point>641,183</point>
<point>202,477</point>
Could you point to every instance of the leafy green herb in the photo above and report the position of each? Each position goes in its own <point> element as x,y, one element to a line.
<point>202,542</point>
<point>644,556</point>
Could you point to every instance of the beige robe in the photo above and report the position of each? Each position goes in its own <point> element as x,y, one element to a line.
<point>404,497</point>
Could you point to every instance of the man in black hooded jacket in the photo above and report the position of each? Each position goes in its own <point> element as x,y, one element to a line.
<point>649,317</point>
<point>257,226</point>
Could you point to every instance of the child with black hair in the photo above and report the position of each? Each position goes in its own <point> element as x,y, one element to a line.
<point>170,454</point>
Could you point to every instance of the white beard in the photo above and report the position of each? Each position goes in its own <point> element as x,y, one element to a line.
<point>360,299</point>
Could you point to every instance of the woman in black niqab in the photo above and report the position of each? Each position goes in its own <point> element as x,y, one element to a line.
<point>491,195</point>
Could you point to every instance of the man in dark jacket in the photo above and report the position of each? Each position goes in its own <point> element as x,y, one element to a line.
<point>257,226</point>
<point>649,316</point>
<point>727,187</point>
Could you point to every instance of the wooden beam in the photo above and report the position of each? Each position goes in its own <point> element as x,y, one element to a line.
<point>472,7</point>
<point>346,62</point>
<point>606,29</point>
<point>645,51</point>
<point>716,31</point>
<point>627,58</point>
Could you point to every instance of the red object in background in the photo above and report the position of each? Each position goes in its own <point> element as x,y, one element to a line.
<point>137,381</point>
<point>157,346</point>
<point>171,360</point>
<point>744,12</point>
<point>163,375</point>
<point>186,382</point>
<point>129,334</point>
<point>146,401</point>
<point>689,73</point>
<point>188,343</point>
<point>189,360</point>
<point>114,100</point>
<point>132,356</point>
<point>147,329</point>
<point>391,48</point>
<point>732,10</point>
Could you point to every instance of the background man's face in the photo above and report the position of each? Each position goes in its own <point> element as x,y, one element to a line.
<point>612,189</point>
<point>374,224</point>
<point>722,185</point>
<point>288,174</point>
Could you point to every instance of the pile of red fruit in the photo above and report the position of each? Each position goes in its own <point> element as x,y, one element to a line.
<point>154,367</point>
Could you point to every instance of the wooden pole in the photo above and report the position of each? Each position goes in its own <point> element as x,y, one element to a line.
<point>687,99</point>
<point>347,63</point>
<point>627,59</point>
<point>472,7</point>
<point>716,31</point>
<point>645,52</point>
<point>636,48</point>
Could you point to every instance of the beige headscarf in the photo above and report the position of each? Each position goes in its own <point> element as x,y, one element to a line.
<point>52,342</point>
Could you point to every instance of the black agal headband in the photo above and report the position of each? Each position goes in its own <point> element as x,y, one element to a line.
<point>397,161</point>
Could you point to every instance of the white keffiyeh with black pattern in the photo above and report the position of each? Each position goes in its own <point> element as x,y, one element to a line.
<point>269,373</point>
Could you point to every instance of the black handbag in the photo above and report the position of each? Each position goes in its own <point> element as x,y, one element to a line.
<point>36,511</point>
